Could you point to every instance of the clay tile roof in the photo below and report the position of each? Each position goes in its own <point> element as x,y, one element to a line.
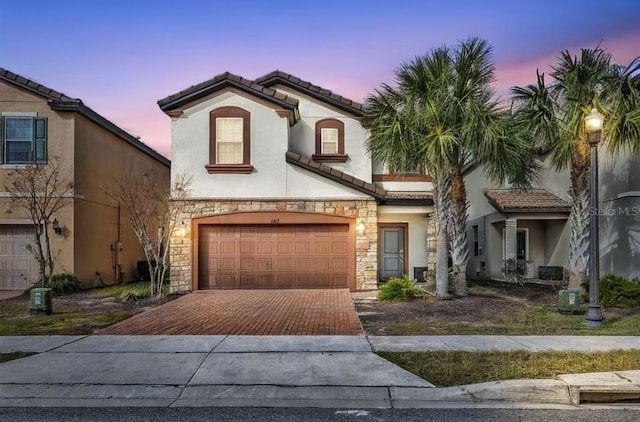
<point>381,195</point>
<point>61,102</point>
<point>278,77</point>
<point>33,86</point>
<point>531,200</point>
<point>225,80</point>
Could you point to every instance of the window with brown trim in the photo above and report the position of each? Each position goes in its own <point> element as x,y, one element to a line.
<point>229,141</point>
<point>330,141</point>
<point>390,174</point>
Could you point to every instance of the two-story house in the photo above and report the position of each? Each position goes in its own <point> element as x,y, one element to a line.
<point>284,193</point>
<point>95,241</point>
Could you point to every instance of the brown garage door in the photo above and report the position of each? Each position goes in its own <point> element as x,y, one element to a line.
<point>281,256</point>
<point>18,267</point>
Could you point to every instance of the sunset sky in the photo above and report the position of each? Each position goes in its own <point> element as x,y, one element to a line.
<point>120,57</point>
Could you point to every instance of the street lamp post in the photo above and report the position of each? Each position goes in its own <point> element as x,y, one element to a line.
<point>593,126</point>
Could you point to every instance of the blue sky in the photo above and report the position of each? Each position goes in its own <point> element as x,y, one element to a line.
<point>120,57</point>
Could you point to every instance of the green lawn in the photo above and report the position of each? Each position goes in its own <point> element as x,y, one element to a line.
<point>73,314</point>
<point>445,369</point>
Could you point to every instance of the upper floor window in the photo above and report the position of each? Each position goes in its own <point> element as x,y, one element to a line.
<point>330,141</point>
<point>24,139</point>
<point>229,141</point>
<point>399,174</point>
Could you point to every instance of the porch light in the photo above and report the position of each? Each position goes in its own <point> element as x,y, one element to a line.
<point>593,125</point>
<point>56,226</point>
<point>593,122</point>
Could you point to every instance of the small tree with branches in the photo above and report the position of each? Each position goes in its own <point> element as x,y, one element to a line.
<point>42,190</point>
<point>152,210</point>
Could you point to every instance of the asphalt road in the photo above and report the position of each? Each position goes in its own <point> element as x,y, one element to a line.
<point>613,414</point>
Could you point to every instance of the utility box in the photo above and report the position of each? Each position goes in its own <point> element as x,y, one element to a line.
<point>41,301</point>
<point>569,302</point>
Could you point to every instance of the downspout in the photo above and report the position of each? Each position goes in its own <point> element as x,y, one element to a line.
<point>115,251</point>
<point>118,249</point>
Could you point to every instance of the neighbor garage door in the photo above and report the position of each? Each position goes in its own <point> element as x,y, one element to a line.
<point>18,267</point>
<point>280,256</point>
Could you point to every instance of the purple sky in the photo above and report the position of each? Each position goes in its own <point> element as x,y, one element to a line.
<point>120,57</point>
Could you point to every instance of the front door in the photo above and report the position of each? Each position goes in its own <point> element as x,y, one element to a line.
<point>392,252</point>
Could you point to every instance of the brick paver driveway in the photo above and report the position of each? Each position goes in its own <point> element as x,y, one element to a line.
<point>248,312</point>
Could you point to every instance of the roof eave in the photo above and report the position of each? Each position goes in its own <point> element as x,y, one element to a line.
<point>535,210</point>
<point>170,105</point>
<point>379,196</point>
<point>79,107</point>
<point>407,201</point>
<point>278,80</point>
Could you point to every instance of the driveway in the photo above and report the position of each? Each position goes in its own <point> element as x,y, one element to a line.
<point>248,312</point>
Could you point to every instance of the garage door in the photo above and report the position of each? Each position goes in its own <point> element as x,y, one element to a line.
<point>18,267</point>
<point>280,256</point>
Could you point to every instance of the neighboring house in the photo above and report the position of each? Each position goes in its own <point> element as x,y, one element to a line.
<point>96,242</point>
<point>532,226</point>
<point>284,193</point>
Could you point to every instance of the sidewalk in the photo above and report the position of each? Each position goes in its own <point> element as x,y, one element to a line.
<point>279,371</point>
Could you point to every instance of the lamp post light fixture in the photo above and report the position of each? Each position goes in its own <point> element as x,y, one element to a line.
<point>593,125</point>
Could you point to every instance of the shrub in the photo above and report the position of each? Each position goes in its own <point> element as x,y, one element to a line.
<point>144,274</point>
<point>399,290</point>
<point>619,292</point>
<point>513,270</point>
<point>61,284</point>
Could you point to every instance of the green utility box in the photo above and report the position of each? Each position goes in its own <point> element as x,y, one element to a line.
<point>41,301</point>
<point>569,302</point>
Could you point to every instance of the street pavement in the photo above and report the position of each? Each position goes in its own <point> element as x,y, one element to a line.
<point>283,371</point>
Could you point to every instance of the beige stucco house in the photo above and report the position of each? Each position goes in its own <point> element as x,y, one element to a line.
<point>96,242</point>
<point>284,193</point>
<point>532,226</point>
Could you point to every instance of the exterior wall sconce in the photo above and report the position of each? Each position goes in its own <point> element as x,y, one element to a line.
<point>57,228</point>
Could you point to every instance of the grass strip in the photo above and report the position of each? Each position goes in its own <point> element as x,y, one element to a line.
<point>530,320</point>
<point>69,323</point>
<point>446,369</point>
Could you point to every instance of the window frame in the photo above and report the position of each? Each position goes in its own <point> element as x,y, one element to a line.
<point>330,123</point>
<point>389,174</point>
<point>38,140</point>
<point>230,112</point>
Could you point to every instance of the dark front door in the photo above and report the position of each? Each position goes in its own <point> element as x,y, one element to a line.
<point>521,251</point>
<point>392,252</point>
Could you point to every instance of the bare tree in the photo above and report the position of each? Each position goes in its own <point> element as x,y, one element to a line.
<point>42,190</point>
<point>152,210</point>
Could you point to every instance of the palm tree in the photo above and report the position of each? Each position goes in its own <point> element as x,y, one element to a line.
<point>443,117</point>
<point>553,115</point>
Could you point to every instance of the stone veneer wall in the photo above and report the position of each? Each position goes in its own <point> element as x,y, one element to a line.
<point>365,212</point>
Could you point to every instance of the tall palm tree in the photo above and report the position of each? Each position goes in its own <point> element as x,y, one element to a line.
<point>443,117</point>
<point>553,115</point>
